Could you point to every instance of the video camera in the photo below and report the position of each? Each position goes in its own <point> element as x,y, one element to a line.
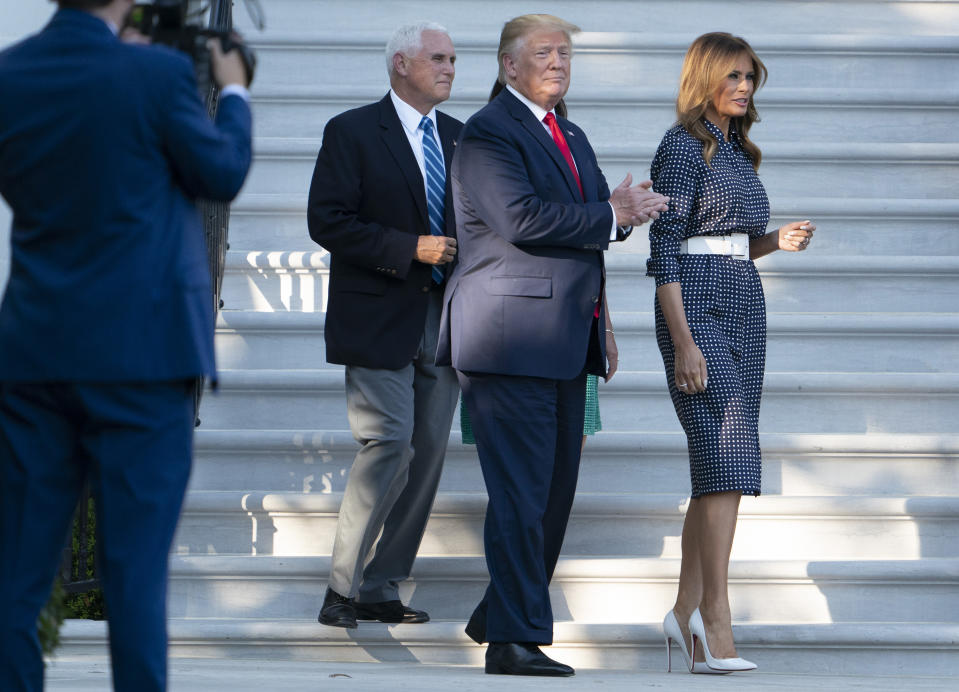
<point>170,22</point>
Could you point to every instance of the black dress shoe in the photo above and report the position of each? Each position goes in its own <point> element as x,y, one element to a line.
<point>476,627</point>
<point>337,610</point>
<point>390,611</point>
<point>523,659</point>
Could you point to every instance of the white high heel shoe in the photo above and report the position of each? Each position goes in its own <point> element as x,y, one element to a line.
<point>725,665</point>
<point>675,634</point>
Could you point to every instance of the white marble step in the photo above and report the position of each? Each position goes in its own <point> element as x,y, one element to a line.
<point>814,282</point>
<point>318,461</point>
<point>855,653</point>
<point>792,282</point>
<point>633,113</point>
<point>692,17</point>
<point>21,19</point>
<point>799,341</point>
<point>625,523</point>
<point>921,170</point>
<point>819,402</point>
<point>848,226</point>
<point>584,589</point>
<point>76,671</point>
<point>612,57</point>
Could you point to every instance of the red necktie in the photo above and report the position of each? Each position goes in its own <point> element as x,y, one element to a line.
<point>557,133</point>
<point>554,130</point>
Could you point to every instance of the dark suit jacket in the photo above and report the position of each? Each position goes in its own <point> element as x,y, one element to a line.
<point>103,147</point>
<point>367,207</point>
<point>529,271</point>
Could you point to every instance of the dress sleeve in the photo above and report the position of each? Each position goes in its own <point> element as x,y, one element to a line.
<point>676,171</point>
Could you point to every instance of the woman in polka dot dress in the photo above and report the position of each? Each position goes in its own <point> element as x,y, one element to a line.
<point>711,322</point>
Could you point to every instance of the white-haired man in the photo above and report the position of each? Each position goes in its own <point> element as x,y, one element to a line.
<point>378,203</point>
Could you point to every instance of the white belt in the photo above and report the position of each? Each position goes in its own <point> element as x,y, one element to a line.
<point>735,245</point>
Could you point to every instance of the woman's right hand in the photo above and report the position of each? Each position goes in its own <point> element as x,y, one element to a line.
<point>795,236</point>
<point>690,369</point>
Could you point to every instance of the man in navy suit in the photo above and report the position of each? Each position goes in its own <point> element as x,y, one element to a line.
<point>379,204</point>
<point>106,320</point>
<point>524,323</point>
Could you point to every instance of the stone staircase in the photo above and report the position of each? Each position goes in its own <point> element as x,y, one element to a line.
<point>848,563</point>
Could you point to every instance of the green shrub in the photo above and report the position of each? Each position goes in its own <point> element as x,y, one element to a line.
<point>87,605</point>
<point>51,617</point>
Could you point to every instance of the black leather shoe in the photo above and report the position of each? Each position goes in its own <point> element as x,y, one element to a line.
<point>476,627</point>
<point>337,610</point>
<point>523,659</point>
<point>390,611</point>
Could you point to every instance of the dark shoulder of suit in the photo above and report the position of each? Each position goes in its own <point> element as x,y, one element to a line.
<point>369,116</point>
<point>447,121</point>
<point>362,117</point>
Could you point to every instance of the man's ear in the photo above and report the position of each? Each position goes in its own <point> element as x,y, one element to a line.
<point>509,65</point>
<point>399,64</point>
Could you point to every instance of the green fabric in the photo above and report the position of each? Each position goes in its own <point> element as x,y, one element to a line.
<point>591,423</point>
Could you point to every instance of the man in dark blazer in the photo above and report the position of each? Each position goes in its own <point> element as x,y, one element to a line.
<point>525,322</point>
<point>379,204</point>
<point>106,320</point>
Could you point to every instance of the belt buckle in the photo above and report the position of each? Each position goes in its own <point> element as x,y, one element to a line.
<point>739,246</point>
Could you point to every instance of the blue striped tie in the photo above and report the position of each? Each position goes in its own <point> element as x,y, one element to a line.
<point>435,186</point>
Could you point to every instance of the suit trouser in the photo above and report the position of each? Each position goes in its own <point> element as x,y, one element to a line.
<point>402,419</point>
<point>529,434</point>
<point>134,444</point>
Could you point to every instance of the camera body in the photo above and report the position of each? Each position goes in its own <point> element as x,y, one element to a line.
<point>171,23</point>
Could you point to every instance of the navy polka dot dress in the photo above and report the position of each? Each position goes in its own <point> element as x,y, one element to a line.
<point>724,304</point>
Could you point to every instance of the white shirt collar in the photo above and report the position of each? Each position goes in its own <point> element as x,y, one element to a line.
<point>539,112</point>
<point>409,116</point>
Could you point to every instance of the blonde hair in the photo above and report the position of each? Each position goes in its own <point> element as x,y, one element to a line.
<point>708,62</point>
<point>515,32</point>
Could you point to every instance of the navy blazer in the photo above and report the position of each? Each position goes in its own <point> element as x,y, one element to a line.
<point>103,147</point>
<point>529,271</point>
<point>367,206</point>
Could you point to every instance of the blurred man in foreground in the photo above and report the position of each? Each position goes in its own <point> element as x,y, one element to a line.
<point>106,320</point>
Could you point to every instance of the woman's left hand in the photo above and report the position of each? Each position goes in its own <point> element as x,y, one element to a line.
<point>796,236</point>
<point>612,355</point>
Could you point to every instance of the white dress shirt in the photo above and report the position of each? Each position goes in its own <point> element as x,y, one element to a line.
<point>411,118</point>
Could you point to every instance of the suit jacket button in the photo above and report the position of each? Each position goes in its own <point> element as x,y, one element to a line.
<point>595,299</point>
<point>426,289</point>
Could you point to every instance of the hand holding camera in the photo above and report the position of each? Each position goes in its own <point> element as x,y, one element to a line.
<point>219,54</point>
<point>227,63</point>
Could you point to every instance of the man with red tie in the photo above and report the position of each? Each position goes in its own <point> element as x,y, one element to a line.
<point>524,322</point>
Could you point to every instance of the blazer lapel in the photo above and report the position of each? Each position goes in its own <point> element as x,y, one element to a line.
<point>449,148</point>
<point>539,133</point>
<point>391,130</point>
<point>579,147</point>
